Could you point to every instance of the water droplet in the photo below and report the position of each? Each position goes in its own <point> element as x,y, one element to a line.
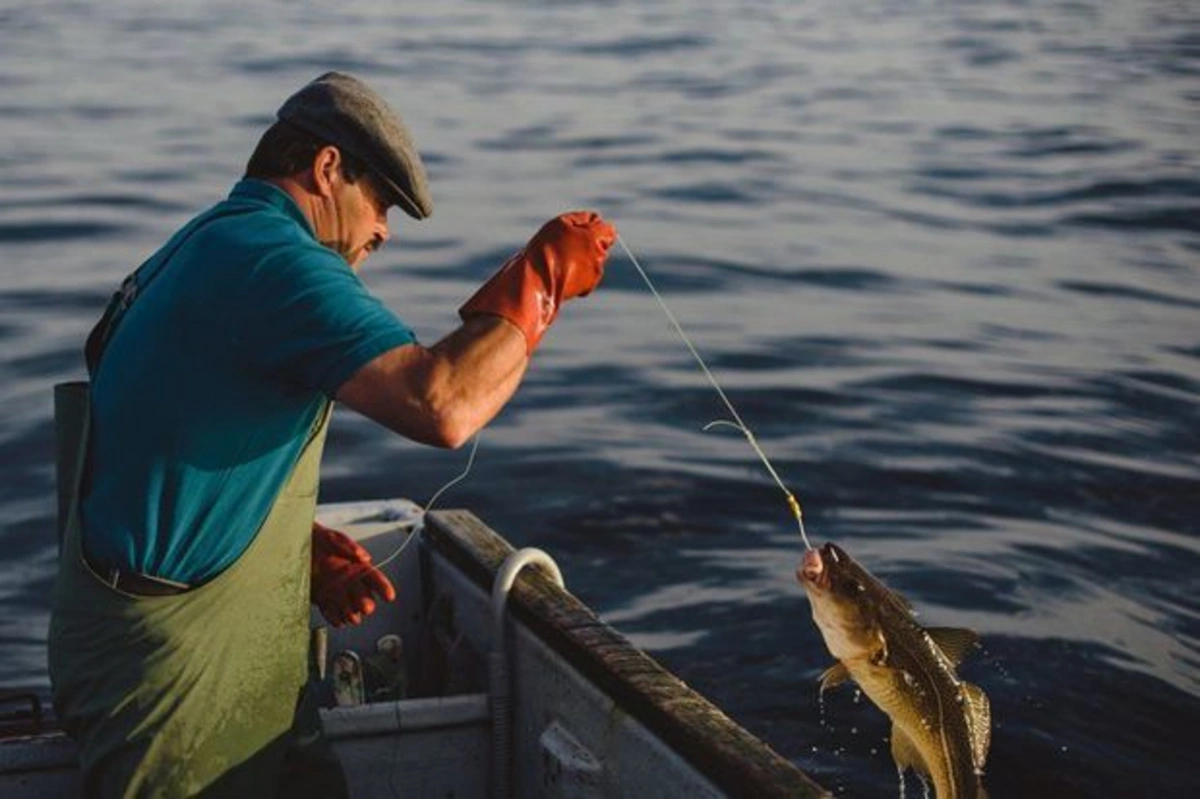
<point>854,731</point>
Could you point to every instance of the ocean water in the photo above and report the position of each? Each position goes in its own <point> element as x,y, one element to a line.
<point>943,256</point>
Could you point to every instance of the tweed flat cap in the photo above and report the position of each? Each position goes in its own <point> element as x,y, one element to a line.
<point>347,113</point>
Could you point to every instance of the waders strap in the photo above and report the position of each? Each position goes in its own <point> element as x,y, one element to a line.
<point>135,283</point>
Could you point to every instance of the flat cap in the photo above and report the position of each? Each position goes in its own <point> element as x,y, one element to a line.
<point>347,113</point>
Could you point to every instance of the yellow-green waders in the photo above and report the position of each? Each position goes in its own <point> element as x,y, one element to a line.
<point>202,692</point>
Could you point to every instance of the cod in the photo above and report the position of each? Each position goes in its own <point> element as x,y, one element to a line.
<point>941,726</point>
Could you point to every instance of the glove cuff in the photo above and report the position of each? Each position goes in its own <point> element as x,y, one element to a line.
<point>518,293</point>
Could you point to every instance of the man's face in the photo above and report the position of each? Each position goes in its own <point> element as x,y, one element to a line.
<point>358,224</point>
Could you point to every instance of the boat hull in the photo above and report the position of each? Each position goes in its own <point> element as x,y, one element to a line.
<point>584,712</point>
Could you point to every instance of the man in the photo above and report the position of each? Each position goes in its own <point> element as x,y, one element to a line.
<point>179,629</point>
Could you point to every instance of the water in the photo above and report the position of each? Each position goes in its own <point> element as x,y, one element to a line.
<point>943,256</point>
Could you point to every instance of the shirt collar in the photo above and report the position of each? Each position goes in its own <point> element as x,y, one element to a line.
<point>264,192</point>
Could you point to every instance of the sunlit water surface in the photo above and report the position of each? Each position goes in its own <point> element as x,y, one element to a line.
<point>944,256</point>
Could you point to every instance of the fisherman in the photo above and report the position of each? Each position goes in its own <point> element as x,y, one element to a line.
<point>179,633</point>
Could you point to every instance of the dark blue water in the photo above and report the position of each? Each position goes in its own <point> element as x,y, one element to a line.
<point>944,256</point>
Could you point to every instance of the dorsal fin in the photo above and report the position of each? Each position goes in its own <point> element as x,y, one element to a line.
<point>956,642</point>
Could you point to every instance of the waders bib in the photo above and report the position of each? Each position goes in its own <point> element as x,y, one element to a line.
<point>196,693</point>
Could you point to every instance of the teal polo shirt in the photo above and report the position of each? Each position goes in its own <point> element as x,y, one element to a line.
<point>212,382</point>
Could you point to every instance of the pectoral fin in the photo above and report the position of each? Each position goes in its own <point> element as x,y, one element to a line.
<point>834,676</point>
<point>905,753</point>
<point>979,723</point>
<point>956,642</point>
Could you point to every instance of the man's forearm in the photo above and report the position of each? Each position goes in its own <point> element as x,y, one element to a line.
<point>444,394</point>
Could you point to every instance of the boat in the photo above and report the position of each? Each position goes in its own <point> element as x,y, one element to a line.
<point>502,684</point>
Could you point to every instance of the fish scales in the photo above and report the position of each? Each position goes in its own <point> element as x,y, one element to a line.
<point>940,724</point>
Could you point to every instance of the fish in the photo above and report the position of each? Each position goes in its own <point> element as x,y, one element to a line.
<point>941,725</point>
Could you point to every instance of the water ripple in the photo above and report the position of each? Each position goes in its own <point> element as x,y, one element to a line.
<point>1127,292</point>
<point>635,46</point>
<point>1183,218</point>
<point>27,232</point>
<point>1170,188</point>
<point>943,257</point>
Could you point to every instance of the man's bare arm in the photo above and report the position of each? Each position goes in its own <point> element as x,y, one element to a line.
<point>442,395</point>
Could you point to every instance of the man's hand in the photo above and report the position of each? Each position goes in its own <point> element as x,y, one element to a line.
<point>343,578</point>
<point>563,260</point>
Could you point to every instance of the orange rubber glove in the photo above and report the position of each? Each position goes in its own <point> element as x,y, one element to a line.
<point>563,260</point>
<point>343,578</point>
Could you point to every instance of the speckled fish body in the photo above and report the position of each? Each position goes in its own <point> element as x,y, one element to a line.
<point>941,725</point>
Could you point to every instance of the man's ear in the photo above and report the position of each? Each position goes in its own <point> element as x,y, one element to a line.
<point>327,164</point>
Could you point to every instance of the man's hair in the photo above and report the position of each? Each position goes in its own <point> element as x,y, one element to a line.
<point>286,149</point>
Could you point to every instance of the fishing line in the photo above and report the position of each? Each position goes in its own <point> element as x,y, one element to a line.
<point>429,505</point>
<point>737,422</point>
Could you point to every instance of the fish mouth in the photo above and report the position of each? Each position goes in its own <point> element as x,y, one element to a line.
<point>834,554</point>
<point>812,571</point>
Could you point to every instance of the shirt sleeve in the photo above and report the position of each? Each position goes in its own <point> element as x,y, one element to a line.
<point>309,320</point>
